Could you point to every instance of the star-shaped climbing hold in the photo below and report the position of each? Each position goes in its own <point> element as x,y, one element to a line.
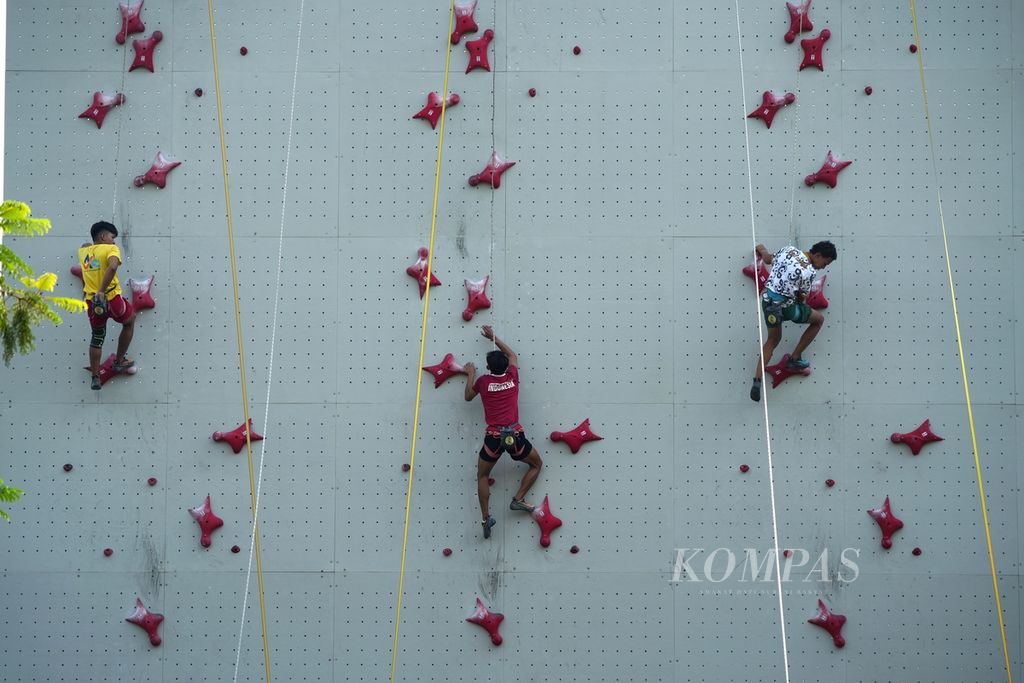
<point>464,22</point>
<point>546,520</point>
<point>799,21</point>
<point>157,173</point>
<point>828,173</point>
<point>432,112</point>
<point>418,271</point>
<point>780,373</point>
<point>144,51</point>
<point>577,437</point>
<point>813,48</point>
<point>147,621</point>
<point>107,369</point>
<point>917,438</point>
<point>102,103</point>
<point>833,623</point>
<point>208,522</point>
<point>770,106</point>
<point>762,273</point>
<point>492,171</point>
<point>478,52</point>
<point>887,522</point>
<point>236,437</point>
<point>444,370</point>
<point>488,621</point>
<point>816,297</point>
<point>477,291</point>
<point>131,20</point>
<point>141,296</point>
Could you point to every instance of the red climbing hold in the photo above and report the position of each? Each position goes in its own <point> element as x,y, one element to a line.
<point>770,106</point>
<point>141,296</point>
<point>762,273</point>
<point>744,468</point>
<point>813,48</point>
<point>406,467</point>
<point>917,438</point>
<point>107,552</point>
<point>146,620</point>
<point>464,22</point>
<point>243,50</point>
<point>887,522</point>
<point>478,52</point>
<point>447,552</point>
<point>144,51</point>
<point>829,171</point>
<point>418,271</point>
<point>546,520</point>
<point>868,90</point>
<point>577,437</point>
<point>830,483</point>
<point>575,549</point>
<point>157,173</point>
<point>131,20</point>
<point>445,369</point>
<point>916,552</point>
<point>532,92</point>
<point>799,21</point>
<point>198,92</point>
<point>151,481</point>
<point>913,48</point>
<point>816,298</point>
<point>432,112</point>
<point>208,522</point>
<point>477,291</point>
<point>787,553</point>
<point>107,369</point>
<point>68,467</point>
<point>833,623</point>
<point>577,50</point>
<point>236,437</point>
<point>488,621</point>
<point>101,105</point>
<point>235,549</point>
<point>780,373</point>
<point>492,172</point>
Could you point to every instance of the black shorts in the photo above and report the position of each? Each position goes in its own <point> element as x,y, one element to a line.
<point>493,444</point>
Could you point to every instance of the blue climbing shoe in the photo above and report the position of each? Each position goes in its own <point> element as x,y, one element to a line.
<point>798,364</point>
<point>520,505</point>
<point>488,523</point>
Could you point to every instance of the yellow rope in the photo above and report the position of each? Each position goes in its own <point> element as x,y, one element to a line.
<point>963,361</point>
<point>238,334</point>
<point>423,342</point>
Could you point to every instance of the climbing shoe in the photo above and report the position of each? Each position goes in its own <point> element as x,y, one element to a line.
<point>123,364</point>
<point>488,523</point>
<point>96,384</point>
<point>755,390</point>
<point>798,364</point>
<point>520,505</point>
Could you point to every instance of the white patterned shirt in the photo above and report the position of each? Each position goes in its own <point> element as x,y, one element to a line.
<point>791,273</point>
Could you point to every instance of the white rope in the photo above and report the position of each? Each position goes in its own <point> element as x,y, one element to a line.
<point>273,339</point>
<point>760,336</point>
<point>117,135</point>
<point>490,245</point>
<point>793,235</point>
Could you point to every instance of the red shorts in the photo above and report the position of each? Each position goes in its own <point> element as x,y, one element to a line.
<point>118,308</point>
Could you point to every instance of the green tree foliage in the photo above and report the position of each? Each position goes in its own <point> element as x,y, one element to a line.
<point>8,494</point>
<point>23,299</point>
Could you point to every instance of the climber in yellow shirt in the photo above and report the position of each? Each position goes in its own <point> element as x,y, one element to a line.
<point>100,261</point>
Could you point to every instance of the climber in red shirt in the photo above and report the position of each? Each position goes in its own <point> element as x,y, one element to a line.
<point>499,392</point>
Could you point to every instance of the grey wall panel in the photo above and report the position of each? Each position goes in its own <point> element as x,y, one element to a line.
<point>1016,168</point>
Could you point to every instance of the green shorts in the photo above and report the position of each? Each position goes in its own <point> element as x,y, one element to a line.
<point>775,313</point>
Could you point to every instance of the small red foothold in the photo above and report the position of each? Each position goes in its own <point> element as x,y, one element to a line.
<point>813,49</point>
<point>236,437</point>
<point>447,552</point>
<point>487,620</point>
<point>575,549</point>
<point>917,438</point>
<point>108,551</point>
<point>833,623</point>
<point>916,551</point>
<point>198,92</point>
<point>787,553</point>
<point>577,437</point>
<point>243,51</point>
<point>235,549</point>
<point>830,483</point>
<point>478,52</point>
<point>576,50</point>
<point>780,373</point>
<point>151,481</point>
<point>406,467</point>
<point>887,522</point>
<point>68,467</point>
<point>744,468</point>
<point>532,92</point>
<point>490,481</point>
<point>146,620</point>
<point>476,290</point>
<point>829,171</point>
<point>913,48</point>
<point>546,520</point>
<point>868,90</point>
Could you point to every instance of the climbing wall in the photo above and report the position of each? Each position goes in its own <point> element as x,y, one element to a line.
<point>614,247</point>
